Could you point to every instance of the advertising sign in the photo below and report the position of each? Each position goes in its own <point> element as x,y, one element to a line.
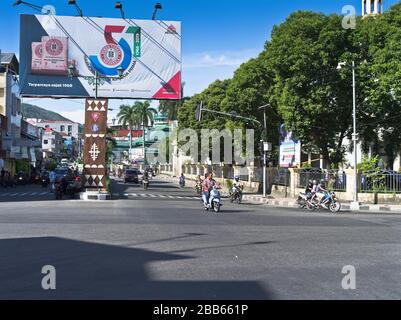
<point>290,149</point>
<point>63,56</point>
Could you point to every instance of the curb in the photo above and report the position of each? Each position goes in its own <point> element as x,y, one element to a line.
<point>291,203</point>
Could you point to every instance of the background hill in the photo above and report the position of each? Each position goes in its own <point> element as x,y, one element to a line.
<point>32,111</point>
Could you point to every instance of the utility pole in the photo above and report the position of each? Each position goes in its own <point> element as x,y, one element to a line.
<point>355,203</point>
<point>266,148</point>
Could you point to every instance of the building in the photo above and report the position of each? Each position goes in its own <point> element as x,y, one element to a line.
<point>19,141</point>
<point>70,131</point>
<point>52,144</point>
<point>372,7</point>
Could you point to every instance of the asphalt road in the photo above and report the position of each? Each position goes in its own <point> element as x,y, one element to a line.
<point>160,244</point>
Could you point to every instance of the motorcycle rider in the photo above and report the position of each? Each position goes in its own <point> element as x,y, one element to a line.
<point>237,187</point>
<point>322,193</point>
<point>308,190</point>
<point>207,186</point>
<point>182,180</point>
<point>198,185</point>
<point>52,179</point>
<point>145,177</point>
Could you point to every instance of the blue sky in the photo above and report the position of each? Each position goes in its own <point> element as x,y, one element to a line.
<point>218,35</point>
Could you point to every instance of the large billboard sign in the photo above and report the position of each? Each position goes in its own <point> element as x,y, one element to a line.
<point>62,55</point>
<point>290,149</point>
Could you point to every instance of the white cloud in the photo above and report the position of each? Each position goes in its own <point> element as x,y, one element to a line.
<point>218,59</point>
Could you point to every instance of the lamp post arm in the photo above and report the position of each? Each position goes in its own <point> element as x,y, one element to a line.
<point>232,115</point>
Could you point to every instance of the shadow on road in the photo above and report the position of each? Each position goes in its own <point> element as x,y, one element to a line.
<point>97,271</point>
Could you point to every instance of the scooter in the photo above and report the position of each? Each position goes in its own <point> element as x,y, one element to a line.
<point>330,203</point>
<point>214,201</point>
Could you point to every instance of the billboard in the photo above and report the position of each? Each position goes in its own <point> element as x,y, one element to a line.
<point>290,149</point>
<point>138,59</point>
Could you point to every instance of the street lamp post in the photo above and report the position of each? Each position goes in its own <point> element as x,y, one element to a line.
<point>96,79</point>
<point>265,149</point>
<point>158,6</point>
<point>355,203</point>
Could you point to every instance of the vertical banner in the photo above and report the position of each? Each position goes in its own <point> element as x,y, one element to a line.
<point>95,143</point>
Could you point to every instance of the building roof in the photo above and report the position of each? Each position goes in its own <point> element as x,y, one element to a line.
<point>7,58</point>
<point>56,121</point>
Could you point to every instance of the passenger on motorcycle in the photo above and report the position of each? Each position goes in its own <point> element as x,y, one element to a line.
<point>207,186</point>
<point>308,190</point>
<point>322,193</point>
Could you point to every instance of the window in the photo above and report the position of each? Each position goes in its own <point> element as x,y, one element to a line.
<point>69,129</point>
<point>62,128</point>
<point>45,141</point>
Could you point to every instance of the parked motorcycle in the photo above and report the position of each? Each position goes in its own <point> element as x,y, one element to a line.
<point>214,201</point>
<point>329,203</point>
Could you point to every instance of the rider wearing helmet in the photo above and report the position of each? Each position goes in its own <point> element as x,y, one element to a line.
<point>321,192</point>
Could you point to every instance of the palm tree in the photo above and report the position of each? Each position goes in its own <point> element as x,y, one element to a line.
<point>126,117</point>
<point>143,116</point>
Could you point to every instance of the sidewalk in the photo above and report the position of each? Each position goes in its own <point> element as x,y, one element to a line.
<point>291,203</point>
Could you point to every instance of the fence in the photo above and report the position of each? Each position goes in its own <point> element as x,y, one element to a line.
<point>280,177</point>
<point>336,180</point>
<point>380,181</point>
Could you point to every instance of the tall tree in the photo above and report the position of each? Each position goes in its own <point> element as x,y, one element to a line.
<point>313,98</point>
<point>143,115</point>
<point>127,118</point>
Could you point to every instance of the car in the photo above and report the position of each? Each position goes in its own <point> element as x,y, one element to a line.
<point>131,175</point>
<point>64,172</point>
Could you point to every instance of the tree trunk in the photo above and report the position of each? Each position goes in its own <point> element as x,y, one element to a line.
<point>130,142</point>
<point>143,144</point>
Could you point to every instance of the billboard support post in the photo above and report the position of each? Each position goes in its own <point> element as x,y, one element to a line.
<point>95,129</point>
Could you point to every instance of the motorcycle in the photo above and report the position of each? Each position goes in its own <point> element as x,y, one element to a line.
<point>214,201</point>
<point>45,181</point>
<point>330,203</point>
<point>58,191</point>
<point>198,188</point>
<point>303,198</point>
<point>145,183</point>
<point>236,195</point>
<point>20,180</point>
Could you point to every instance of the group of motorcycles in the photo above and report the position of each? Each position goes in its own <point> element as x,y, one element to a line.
<point>214,201</point>
<point>330,202</point>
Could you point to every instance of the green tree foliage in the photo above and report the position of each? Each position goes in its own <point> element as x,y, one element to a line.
<point>297,74</point>
<point>313,98</point>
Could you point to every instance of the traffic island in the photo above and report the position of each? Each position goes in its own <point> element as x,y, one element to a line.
<point>95,195</point>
